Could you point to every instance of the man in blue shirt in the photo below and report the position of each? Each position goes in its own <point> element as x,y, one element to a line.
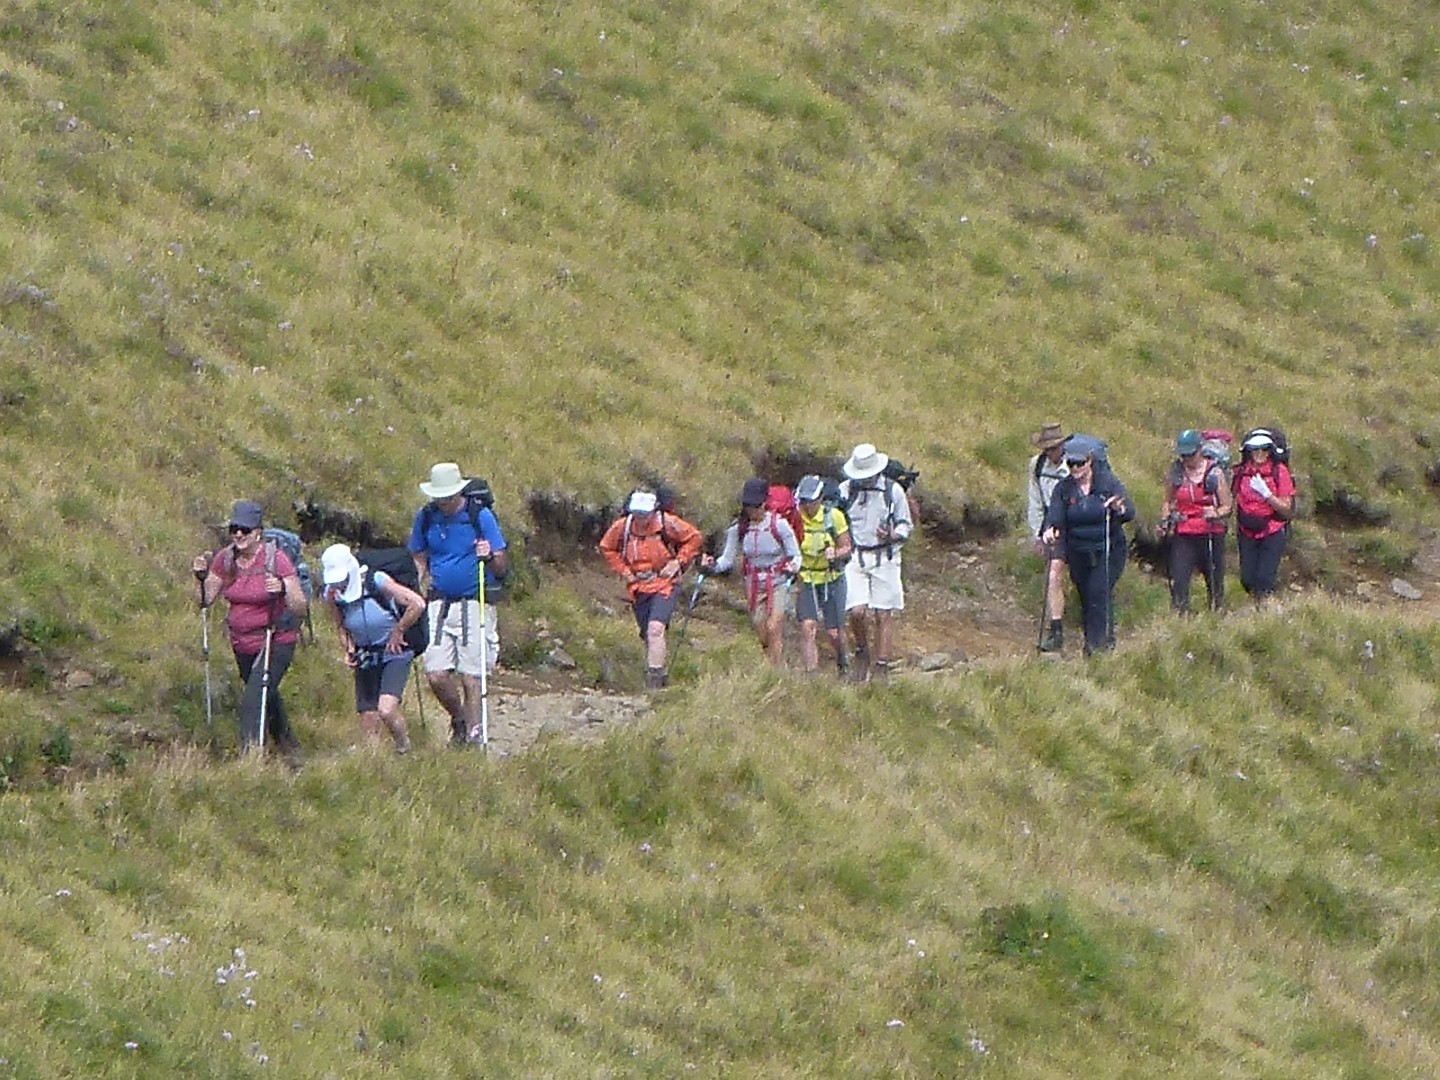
<point>451,538</point>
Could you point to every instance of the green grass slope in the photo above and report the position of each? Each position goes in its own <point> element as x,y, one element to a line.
<point>306,250</point>
<point>1151,868</point>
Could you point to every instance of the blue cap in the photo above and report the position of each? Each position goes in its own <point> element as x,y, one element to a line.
<point>1080,447</point>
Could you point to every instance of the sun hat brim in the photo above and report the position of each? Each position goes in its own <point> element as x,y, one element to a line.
<point>866,468</point>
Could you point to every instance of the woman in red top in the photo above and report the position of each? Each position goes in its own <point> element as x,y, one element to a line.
<point>1197,502</point>
<point>1264,502</point>
<point>260,583</point>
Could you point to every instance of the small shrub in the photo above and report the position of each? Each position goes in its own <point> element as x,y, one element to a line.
<point>57,749</point>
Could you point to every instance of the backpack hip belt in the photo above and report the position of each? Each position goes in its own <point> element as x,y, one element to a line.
<point>752,586</point>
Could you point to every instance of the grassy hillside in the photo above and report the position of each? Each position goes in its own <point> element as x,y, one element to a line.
<point>303,251</point>
<point>1149,867</point>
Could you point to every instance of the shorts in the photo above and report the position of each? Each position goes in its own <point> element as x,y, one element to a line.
<point>653,607</point>
<point>872,580</point>
<point>816,599</point>
<point>457,644</point>
<point>770,594</point>
<point>387,679</point>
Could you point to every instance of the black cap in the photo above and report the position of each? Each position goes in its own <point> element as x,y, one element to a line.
<point>247,514</point>
<point>754,492</point>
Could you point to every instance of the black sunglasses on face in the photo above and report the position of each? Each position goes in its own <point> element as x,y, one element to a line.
<point>1075,463</point>
<point>241,530</point>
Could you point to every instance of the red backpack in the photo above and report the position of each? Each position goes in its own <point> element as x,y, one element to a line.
<point>780,501</point>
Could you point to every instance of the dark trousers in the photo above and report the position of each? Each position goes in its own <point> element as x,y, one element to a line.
<point>1260,562</point>
<point>277,724</point>
<point>1191,553</point>
<point>1095,582</point>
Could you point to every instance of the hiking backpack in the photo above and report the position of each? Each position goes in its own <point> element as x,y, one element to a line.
<point>400,565</point>
<point>478,496</point>
<point>275,539</point>
<point>827,526</point>
<point>780,500</point>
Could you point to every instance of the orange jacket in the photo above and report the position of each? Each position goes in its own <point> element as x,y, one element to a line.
<point>637,547</point>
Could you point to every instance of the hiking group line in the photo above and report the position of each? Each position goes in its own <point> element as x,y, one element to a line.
<point>827,554</point>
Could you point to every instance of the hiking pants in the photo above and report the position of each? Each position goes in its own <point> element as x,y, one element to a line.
<point>277,724</point>
<point>1191,553</point>
<point>1095,582</point>
<point>1260,562</point>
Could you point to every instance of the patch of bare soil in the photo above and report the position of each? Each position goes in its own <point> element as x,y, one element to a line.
<point>961,608</point>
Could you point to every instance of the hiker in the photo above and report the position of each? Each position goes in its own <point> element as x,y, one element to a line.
<point>1047,468</point>
<point>764,543</point>
<point>451,540</point>
<point>373,613</point>
<point>260,584</point>
<point>878,510</point>
<point>825,546</point>
<point>1084,525</point>
<point>651,549</point>
<point>1264,502</point>
<point>1197,502</point>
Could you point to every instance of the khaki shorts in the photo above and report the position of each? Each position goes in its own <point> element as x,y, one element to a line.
<point>459,643</point>
<point>872,580</point>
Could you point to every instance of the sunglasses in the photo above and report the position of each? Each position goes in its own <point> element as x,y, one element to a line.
<point>241,530</point>
<point>1075,463</point>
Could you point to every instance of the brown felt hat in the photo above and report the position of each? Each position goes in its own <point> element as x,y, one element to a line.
<point>1050,435</point>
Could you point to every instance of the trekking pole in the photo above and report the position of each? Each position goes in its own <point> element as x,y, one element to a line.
<point>484,661</point>
<point>1109,585</point>
<point>205,650</point>
<point>689,607</point>
<point>1044,596</point>
<point>265,685</point>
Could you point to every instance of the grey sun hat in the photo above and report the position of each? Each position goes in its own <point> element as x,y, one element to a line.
<point>865,462</point>
<point>445,480</point>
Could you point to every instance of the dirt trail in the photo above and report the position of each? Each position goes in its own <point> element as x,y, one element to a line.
<point>960,608</point>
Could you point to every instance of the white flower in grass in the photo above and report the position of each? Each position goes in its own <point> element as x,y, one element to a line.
<point>978,1047</point>
<point>132,1046</point>
<point>894,1023</point>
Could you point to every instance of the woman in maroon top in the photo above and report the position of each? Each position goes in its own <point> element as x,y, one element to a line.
<point>259,582</point>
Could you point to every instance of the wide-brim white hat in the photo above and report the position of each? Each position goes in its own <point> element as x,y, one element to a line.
<point>865,462</point>
<point>338,566</point>
<point>445,480</point>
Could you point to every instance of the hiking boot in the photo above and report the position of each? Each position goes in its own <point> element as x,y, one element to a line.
<point>881,670</point>
<point>860,669</point>
<point>458,736</point>
<point>842,665</point>
<point>402,743</point>
<point>656,678</point>
<point>1054,639</point>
